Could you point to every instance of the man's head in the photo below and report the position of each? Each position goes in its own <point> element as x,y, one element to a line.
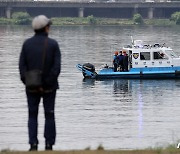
<point>116,53</point>
<point>124,52</point>
<point>41,23</point>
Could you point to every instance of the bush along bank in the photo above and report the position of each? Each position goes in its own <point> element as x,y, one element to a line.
<point>18,18</point>
<point>23,18</point>
<point>176,18</point>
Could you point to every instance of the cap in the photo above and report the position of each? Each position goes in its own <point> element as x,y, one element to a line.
<point>40,22</point>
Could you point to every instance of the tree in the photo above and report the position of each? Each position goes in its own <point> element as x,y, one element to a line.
<point>137,18</point>
<point>92,20</point>
<point>176,18</point>
<point>21,18</point>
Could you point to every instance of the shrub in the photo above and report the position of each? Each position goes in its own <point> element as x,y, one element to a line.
<point>137,18</point>
<point>5,21</point>
<point>100,147</point>
<point>21,18</point>
<point>92,20</point>
<point>176,17</point>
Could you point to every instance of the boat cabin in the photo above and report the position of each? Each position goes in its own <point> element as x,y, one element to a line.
<point>143,55</point>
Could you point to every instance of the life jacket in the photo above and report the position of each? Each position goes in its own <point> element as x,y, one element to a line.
<point>116,59</point>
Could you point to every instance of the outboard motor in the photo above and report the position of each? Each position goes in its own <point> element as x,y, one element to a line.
<point>89,67</point>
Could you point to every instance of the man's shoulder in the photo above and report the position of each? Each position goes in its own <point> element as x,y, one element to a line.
<point>52,41</point>
<point>28,40</point>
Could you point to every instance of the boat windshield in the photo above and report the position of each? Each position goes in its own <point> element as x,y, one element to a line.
<point>172,53</point>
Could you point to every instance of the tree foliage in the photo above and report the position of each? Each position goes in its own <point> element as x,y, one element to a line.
<point>137,19</point>
<point>92,20</point>
<point>176,17</point>
<point>21,18</point>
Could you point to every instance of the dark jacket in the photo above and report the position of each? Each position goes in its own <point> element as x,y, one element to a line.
<point>31,58</point>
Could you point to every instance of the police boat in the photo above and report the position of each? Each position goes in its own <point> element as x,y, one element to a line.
<point>144,62</point>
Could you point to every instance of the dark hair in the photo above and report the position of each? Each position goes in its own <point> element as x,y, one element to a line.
<point>42,29</point>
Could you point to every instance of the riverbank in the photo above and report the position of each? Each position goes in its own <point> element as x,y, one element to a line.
<point>95,21</point>
<point>171,149</point>
<point>108,21</point>
<point>158,151</point>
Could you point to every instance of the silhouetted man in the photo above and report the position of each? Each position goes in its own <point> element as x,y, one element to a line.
<point>41,53</point>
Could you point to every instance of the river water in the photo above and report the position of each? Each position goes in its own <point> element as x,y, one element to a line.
<point>118,114</point>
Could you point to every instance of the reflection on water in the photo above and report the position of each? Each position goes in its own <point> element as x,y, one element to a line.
<point>146,110</point>
<point>140,108</point>
<point>121,86</point>
<point>119,114</point>
<point>156,96</point>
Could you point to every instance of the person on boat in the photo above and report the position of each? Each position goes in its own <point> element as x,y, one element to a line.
<point>142,57</point>
<point>125,61</point>
<point>115,61</point>
<point>120,56</point>
<point>161,55</point>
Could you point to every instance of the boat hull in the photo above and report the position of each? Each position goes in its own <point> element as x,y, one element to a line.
<point>138,76</point>
<point>142,73</point>
<point>133,73</point>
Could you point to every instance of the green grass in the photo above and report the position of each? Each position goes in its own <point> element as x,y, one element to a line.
<point>109,21</point>
<point>170,149</point>
<point>98,152</point>
<point>98,21</point>
<point>85,21</point>
<point>165,22</point>
<point>5,21</point>
<point>69,21</point>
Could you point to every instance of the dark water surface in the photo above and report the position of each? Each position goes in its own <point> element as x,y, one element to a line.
<point>119,114</point>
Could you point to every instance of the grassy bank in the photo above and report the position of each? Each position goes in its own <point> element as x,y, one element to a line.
<point>5,21</point>
<point>95,21</point>
<point>91,21</point>
<point>170,149</point>
<point>109,21</point>
<point>177,151</point>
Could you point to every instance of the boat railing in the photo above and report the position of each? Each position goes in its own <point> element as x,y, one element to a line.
<point>146,46</point>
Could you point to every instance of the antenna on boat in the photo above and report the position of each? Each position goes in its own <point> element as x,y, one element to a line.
<point>132,40</point>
